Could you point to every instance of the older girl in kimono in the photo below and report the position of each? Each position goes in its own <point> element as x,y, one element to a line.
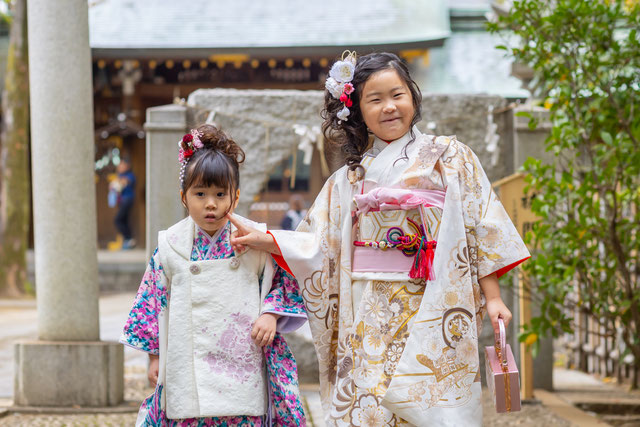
<point>398,258</point>
<point>209,316</point>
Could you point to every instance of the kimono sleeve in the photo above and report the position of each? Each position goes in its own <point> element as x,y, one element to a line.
<point>141,329</point>
<point>499,246</point>
<point>284,299</point>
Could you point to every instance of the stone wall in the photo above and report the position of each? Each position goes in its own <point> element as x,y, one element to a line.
<point>261,122</point>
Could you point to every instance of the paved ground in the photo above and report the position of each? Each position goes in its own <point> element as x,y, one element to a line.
<point>18,321</point>
<point>616,404</point>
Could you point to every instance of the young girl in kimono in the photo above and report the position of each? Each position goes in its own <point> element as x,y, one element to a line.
<point>209,316</point>
<point>398,258</point>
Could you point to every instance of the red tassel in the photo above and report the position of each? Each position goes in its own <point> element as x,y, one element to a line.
<point>422,267</point>
<point>428,260</point>
<point>418,268</point>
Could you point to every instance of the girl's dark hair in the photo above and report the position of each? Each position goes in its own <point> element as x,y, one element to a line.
<point>217,163</point>
<point>352,135</point>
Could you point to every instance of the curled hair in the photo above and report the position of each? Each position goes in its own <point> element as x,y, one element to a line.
<point>352,135</point>
<point>216,163</point>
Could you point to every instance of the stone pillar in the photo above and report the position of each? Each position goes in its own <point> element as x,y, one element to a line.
<point>165,126</point>
<point>67,365</point>
<point>531,143</point>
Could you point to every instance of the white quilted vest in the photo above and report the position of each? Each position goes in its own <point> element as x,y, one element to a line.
<point>212,367</point>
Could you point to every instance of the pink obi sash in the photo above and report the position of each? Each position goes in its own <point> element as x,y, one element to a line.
<point>387,199</point>
<point>375,260</point>
<point>421,207</point>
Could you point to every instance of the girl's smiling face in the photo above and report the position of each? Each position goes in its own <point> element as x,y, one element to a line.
<point>208,206</point>
<point>387,105</point>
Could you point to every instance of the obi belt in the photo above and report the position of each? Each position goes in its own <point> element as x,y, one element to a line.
<point>396,231</point>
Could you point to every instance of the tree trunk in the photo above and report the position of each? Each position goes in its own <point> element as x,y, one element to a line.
<point>15,189</point>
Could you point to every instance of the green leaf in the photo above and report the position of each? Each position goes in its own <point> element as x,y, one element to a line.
<point>524,114</point>
<point>606,137</point>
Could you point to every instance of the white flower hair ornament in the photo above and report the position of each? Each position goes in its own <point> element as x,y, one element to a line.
<point>339,82</point>
<point>193,143</point>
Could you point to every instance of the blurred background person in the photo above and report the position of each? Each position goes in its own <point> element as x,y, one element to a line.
<point>295,214</point>
<point>124,185</point>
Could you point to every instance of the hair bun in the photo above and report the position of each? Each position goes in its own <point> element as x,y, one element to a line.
<point>214,139</point>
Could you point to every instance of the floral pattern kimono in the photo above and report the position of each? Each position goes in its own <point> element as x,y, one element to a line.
<point>395,350</point>
<point>143,331</point>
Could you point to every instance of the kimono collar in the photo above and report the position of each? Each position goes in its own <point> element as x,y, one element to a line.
<point>379,144</point>
<point>386,153</point>
<point>180,237</point>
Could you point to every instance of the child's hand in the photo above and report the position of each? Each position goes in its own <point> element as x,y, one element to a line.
<point>152,374</point>
<point>495,309</point>
<point>246,237</point>
<point>264,329</point>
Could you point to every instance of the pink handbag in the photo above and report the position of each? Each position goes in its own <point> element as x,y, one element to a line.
<point>503,379</point>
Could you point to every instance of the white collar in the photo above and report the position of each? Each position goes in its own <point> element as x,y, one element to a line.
<point>386,154</point>
<point>379,145</point>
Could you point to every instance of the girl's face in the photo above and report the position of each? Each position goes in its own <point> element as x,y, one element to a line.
<point>207,206</point>
<point>387,105</point>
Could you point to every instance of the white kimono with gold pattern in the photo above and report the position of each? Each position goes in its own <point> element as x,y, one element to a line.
<point>394,350</point>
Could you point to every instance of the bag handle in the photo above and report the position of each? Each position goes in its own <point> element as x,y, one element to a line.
<point>501,344</point>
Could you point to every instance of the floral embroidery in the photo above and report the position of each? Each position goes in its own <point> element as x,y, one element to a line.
<point>367,375</point>
<point>416,391</point>
<point>235,355</point>
<point>432,344</point>
<point>368,412</point>
<point>466,350</point>
<point>392,356</point>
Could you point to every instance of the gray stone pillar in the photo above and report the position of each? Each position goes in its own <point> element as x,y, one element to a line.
<point>64,211</point>
<point>531,143</point>
<point>165,126</point>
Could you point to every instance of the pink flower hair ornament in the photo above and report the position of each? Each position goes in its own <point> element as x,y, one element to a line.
<point>192,143</point>
<point>339,82</point>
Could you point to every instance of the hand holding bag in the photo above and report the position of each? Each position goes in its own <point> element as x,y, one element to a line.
<point>503,379</point>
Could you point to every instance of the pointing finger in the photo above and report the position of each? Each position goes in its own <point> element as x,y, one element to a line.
<point>240,240</point>
<point>238,224</point>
